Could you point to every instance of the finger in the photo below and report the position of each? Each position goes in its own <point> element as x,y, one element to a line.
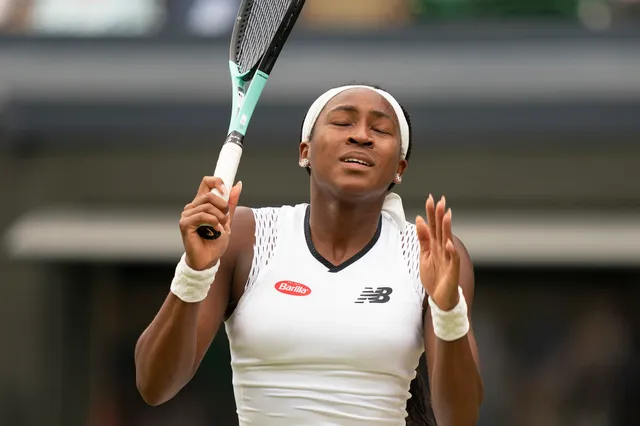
<point>193,222</point>
<point>234,198</point>
<point>222,189</point>
<point>422,231</point>
<point>446,226</point>
<point>210,182</point>
<point>431,217</point>
<point>213,199</point>
<point>439,218</point>
<point>205,208</point>
<point>452,254</point>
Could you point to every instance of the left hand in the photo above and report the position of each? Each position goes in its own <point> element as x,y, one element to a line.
<point>439,260</point>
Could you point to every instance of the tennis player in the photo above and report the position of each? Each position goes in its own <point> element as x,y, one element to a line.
<point>328,305</point>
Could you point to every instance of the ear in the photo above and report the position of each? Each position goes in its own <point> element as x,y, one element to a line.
<point>304,150</point>
<point>402,166</point>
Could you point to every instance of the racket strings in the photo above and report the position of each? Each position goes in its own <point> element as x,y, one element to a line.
<point>264,19</point>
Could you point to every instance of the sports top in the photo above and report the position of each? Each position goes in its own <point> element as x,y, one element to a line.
<point>315,344</point>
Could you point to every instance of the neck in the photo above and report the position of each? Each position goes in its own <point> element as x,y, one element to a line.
<point>340,229</point>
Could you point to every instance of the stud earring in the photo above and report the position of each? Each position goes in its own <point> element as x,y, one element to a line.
<point>304,163</point>
<point>398,178</point>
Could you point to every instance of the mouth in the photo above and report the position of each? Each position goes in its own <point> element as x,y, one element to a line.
<point>357,160</point>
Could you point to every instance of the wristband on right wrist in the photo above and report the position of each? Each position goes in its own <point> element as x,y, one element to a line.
<point>192,286</point>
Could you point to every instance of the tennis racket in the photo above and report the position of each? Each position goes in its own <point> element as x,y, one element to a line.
<point>259,34</point>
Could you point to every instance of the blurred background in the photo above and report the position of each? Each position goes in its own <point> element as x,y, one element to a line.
<point>526,115</point>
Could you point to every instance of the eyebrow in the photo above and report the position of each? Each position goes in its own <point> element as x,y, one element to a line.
<point>351,108</point>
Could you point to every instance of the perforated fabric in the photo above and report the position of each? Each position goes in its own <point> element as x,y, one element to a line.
<point>266,236</point>
<point>411,253</point>
<point>290,366</point>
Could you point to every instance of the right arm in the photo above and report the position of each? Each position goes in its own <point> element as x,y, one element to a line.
<point>170,350</point>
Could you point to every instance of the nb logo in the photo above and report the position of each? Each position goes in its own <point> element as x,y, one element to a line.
<point>379,295</point>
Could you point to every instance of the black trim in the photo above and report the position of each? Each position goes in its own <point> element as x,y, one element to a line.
<point>351,260</point>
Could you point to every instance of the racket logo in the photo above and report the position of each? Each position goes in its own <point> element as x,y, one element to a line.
<point>292,288</point>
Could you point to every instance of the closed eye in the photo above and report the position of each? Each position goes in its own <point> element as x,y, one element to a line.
<point>341,123</point>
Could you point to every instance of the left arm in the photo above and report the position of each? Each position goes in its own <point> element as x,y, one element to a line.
<point>454,369</point>
<point>452,360</point>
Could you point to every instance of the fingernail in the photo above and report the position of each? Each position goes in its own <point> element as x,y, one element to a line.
<point>240,185</point>
<point>224,188</point>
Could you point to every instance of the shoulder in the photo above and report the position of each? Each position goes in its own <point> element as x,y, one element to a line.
<point>242,238</point>
<point>242,227</point>
<point>265,217</point>
<point>257,227</point>
<point>249,223</point>
<point>253,232</point>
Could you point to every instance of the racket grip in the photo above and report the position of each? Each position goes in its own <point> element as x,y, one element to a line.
<point>226,169</point>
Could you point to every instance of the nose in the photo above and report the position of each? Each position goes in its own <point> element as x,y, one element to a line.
<point>361,136</point>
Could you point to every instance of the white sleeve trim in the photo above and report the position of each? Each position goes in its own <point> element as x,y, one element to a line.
<point>410,247</point>
<point>266,238</point>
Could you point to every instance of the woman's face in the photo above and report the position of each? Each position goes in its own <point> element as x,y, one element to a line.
<point>355,147</point>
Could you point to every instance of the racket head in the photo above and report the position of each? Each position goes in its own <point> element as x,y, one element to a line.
<point>287,24</point>
<point>258,32</point>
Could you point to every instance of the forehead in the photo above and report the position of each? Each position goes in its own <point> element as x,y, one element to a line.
<point>361,98</point>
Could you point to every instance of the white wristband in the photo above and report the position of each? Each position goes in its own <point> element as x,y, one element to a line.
<point>192,286</point>
<point>450,325</point>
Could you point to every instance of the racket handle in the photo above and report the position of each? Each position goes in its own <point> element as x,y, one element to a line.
<point>226,169</point>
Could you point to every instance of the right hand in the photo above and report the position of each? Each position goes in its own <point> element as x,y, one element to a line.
<point>211,209</point>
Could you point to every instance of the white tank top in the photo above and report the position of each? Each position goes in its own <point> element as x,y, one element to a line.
<point>312,344</point>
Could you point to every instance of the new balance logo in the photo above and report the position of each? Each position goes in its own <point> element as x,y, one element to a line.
<point>379,295</point>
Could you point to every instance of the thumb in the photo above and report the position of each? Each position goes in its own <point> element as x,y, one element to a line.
<point>234,198</point>
<point>422,231</point>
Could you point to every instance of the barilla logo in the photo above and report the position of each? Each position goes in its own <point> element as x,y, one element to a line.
<point>292,288</point>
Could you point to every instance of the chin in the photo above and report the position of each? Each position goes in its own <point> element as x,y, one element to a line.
<point>354,188</point>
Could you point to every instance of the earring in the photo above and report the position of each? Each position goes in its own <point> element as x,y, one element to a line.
<point>304,163</point>
<point>398,178</point>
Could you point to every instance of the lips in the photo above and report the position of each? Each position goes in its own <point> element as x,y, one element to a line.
<point>357,158</point>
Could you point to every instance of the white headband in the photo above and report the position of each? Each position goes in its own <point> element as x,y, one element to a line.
<point>322,101</point>
<point>392,203</point>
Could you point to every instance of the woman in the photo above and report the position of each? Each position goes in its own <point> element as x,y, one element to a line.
<point>324,304</point>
